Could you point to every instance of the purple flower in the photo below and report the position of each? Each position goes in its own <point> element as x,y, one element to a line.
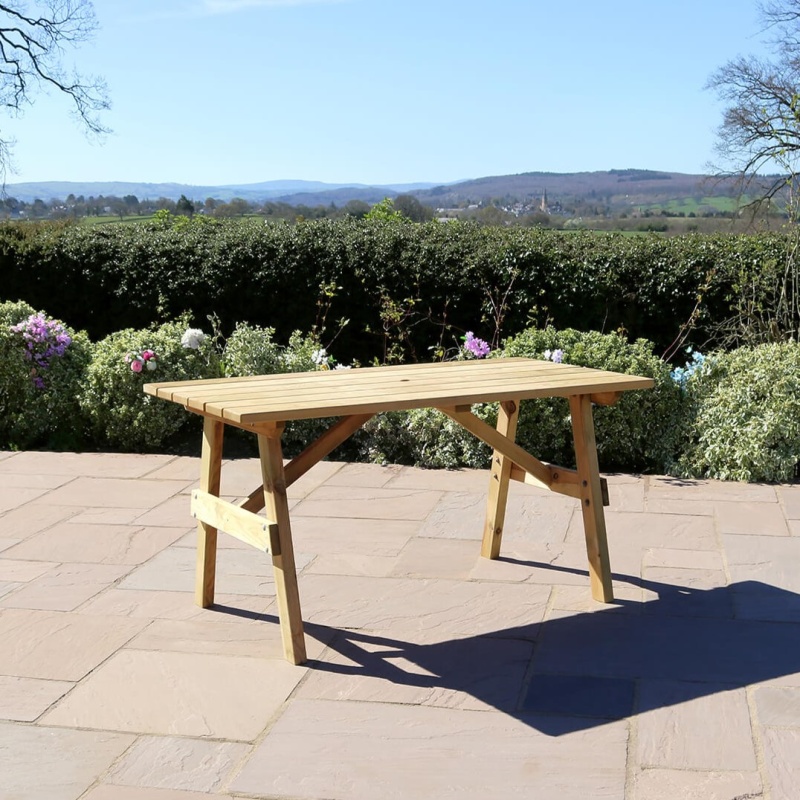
<point>556,356</point>
<point>43,340</point>
<point>478,347</point>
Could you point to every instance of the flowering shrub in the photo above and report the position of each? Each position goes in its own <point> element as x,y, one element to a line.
<point>251,350</point>
<point>641,431</point>
<point>119,413</point>
<point>42,363</point>
<point>474,347</point>
<point>556,356</point>
<point>424,437</point>
<point>146,360</point>
<point>745,415</point>
<point>193,338</point>
<point>44,339</point>
<point>696,362</point>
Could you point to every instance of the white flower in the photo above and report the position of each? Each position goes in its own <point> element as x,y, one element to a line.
<point>342,366</point>
<point>151,364</point>
<point>320,357</point>
<point>547,354</point>
<point>193,338</point>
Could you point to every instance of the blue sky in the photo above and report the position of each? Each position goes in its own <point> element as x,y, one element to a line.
<point>387,91</point>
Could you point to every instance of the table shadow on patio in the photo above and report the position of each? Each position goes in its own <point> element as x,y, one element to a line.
<point>579,671</point>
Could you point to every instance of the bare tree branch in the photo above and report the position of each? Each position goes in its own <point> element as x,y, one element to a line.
<point>759,142</point>
<point>33,47</point>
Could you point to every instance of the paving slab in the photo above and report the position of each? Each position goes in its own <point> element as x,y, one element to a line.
<point>25,699</point>
<point>170,762</point>
<point>679,730</point>
<point>100,465</point>
<point>367,503</point>
<point>113,492</point>
<point>323,749</point>
<point>708,490</point>
<point>35,480</point>
<point>65,587</point>
<point>529,517</point>
<point>492,678</point>
<point>41,763</point>
<point>32,518</point>
<point>73,542</point>
<point>239,571</point>
<point>184,694</point>
<point>55,646</point>
<point>673,784</point>
<point>437,558</point>
<point>476,673</point>
<point>111,792</point>
<point>790,498</point>
<point>782,757</point>
<point>152,604</point>
<point>13,496</point>
<point>452,608</point>
<point>778,705</point>
<point>761,519</point>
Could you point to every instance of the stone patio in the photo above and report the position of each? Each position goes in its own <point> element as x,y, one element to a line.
<point>433,673</point>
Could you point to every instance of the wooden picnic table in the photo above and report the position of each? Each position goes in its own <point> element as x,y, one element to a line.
<point>263,404</point>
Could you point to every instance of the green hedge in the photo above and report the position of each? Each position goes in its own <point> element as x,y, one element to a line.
<point>404,287</point>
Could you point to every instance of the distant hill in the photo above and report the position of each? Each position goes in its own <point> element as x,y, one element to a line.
<point>253,192</point>
<point>615,189</point>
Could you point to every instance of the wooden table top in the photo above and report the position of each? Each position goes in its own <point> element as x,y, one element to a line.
<point>331,393</point>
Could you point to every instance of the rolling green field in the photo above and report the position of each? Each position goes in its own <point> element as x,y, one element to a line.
<point>698,206</point>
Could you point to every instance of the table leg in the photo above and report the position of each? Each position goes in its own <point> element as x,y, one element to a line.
<point>591,496</point>
<point>210,469</point>
<point>277,509</point>
<point>507,417</point>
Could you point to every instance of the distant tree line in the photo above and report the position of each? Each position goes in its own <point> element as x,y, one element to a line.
<point>76,207</point>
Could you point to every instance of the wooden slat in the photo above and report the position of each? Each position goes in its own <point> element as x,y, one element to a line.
<point>210,469</point>
<point>286,592</point>
<point>340,405</point>
<point>561,480</point>
<point>565,481</point>
<point>315,384</point>
<point>605,398</point>
<point>507,418</point>
<point>234,520</point>
<point>338,432</point>
<point>594,524</point>
<point>262,399</point>
<point>164,387</point>
<point>172,390</point>
<point>498,442</point>
<point>355,379</point>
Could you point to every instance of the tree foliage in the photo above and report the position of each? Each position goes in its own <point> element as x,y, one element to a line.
<point>34,38</point>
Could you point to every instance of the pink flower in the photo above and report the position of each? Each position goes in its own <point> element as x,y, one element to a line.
<point>136,365</point>
<point>148,354</point>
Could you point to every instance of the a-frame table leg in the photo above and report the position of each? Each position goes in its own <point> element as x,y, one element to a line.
<point>277,509</point>
<point>591,496</point>
<point>507,417</point>
<point>210,469</point>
